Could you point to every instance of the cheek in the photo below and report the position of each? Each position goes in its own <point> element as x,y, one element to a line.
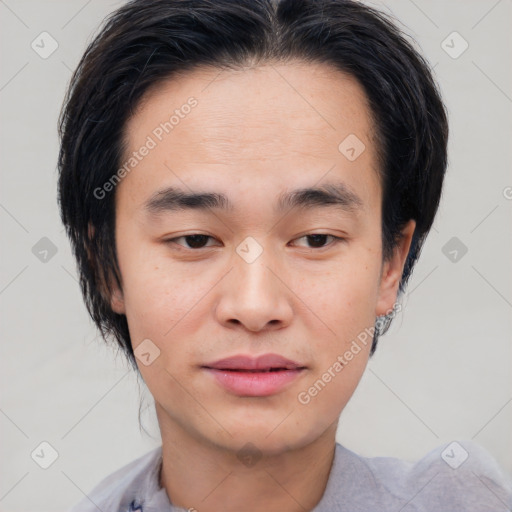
<point>158,294</point>
<point>324,395</point>
<point>159,304</point>
<point>343,293</point>
<point>343,300</point>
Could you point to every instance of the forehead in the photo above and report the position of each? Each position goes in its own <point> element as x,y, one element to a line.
<point>260,128</point>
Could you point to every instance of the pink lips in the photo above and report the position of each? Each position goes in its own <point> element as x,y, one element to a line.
<point>249,376</point>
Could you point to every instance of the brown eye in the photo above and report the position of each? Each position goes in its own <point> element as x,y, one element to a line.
<point>318,240</point>
<point>194,241</point>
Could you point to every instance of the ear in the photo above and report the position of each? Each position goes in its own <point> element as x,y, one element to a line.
<point>392,270</point>
<point>116,299</point>
<point>117,302</point>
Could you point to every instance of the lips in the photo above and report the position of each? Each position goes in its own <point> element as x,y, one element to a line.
<point>263,363</point>
<point>254,376</point>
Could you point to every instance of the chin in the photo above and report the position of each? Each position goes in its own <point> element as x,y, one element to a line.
<point>268,438</point>
<point>255,445</point>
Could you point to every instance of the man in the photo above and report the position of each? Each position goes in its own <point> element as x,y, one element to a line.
<point>247,186</point>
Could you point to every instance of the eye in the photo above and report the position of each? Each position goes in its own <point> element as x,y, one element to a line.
<point>199,241</point>
<point>194,241</point>
<point>318,240</point>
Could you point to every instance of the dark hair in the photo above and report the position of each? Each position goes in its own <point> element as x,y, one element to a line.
<point>147,41</point>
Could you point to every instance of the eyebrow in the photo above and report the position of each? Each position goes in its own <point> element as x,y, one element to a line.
<point>330,195</point>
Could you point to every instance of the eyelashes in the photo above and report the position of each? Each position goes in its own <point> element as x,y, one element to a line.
<point>197,241</point>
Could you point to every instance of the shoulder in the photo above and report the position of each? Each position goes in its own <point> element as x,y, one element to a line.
<point>120,488</point>
<point>456,476</point>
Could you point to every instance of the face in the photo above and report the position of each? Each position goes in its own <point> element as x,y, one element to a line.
<point>257,267</point>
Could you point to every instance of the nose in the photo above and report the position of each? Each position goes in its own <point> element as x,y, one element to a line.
<point>254,296</point>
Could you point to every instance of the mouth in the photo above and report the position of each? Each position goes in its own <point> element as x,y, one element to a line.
<point>255,377</point>
<point>262,363</point>
<point>263,370</point>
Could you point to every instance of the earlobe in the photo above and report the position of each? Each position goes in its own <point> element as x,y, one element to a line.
<point>117,302</point>
<point>392,270</point>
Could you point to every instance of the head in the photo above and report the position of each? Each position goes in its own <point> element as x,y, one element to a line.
<point>249,177</point>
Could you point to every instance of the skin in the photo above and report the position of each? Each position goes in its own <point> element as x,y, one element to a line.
<point>252,136</point>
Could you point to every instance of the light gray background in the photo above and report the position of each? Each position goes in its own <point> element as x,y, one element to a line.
<point>442,372</point>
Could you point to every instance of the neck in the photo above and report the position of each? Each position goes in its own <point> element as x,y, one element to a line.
<point>206,477</point>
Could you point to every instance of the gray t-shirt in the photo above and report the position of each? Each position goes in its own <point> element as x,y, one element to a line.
<point>458,477</point>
